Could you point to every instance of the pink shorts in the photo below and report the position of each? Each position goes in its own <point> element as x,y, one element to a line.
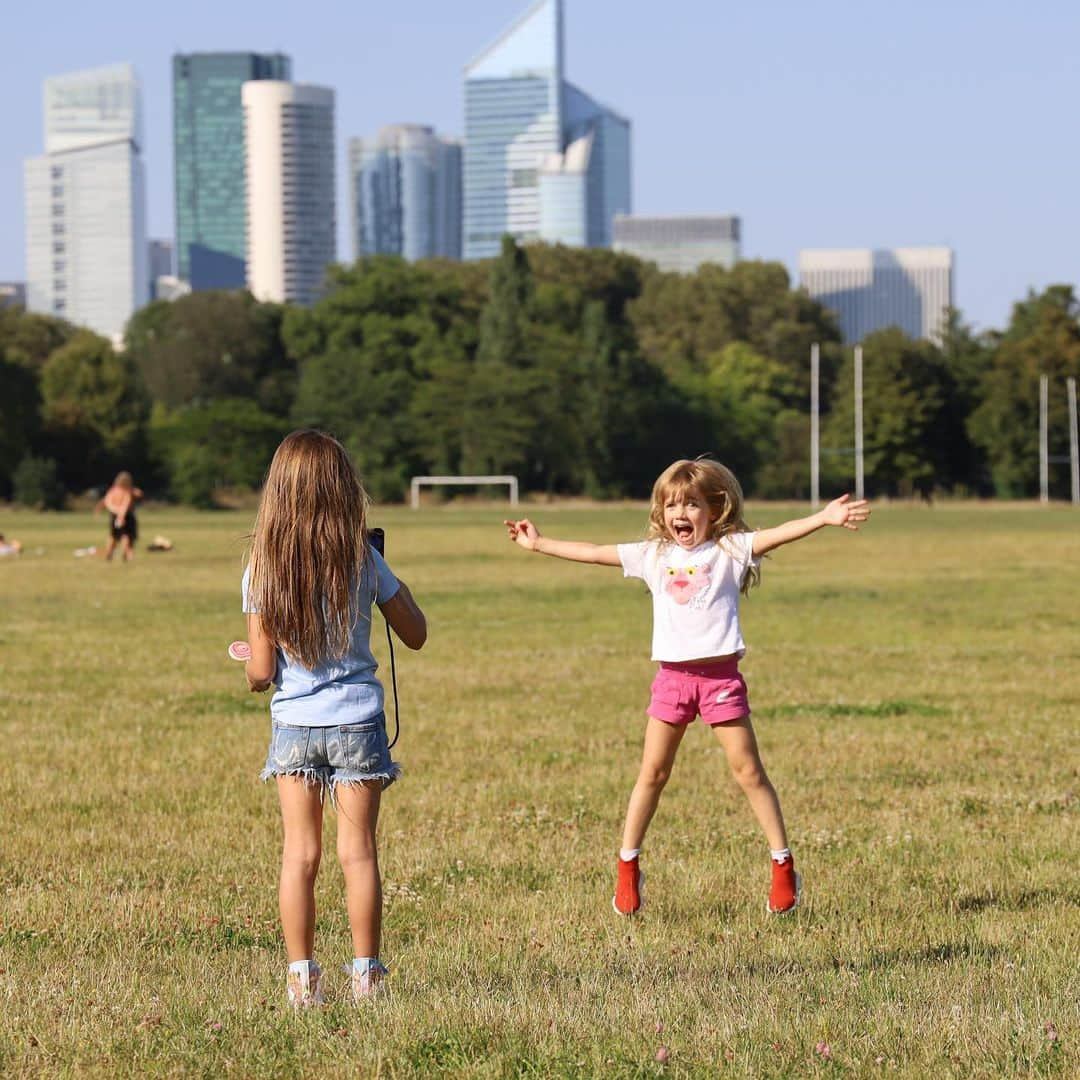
<point>715,691</point>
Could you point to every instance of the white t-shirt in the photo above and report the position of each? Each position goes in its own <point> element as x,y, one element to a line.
<point>695,594</point>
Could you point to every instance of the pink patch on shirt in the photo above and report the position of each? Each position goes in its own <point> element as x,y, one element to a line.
<point>683,583</point>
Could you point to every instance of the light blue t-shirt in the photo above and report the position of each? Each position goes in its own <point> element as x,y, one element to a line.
<point>343,691</point>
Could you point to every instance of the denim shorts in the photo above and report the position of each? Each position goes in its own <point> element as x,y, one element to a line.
<point>328,756</point>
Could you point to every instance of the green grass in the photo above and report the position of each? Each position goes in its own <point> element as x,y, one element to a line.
<point>916,690</point>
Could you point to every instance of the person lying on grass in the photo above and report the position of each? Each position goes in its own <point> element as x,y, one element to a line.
<point>698,557</point>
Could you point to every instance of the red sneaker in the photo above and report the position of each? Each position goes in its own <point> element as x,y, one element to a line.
<point>627,898</point>
<point>786,887</point>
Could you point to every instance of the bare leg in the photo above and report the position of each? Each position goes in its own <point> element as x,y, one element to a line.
<point>739,743</point>
<point>301,816</point>
<point>110,547</point>
<point>126,548</point>
<point>661,743</point>
<point>358,814</point>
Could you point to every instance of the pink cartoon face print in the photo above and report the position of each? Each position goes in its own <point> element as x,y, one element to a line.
<point>683,583</point>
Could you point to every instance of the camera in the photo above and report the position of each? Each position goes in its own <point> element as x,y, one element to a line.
<point>377,539</point>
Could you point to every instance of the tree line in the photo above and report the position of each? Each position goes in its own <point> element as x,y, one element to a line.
<point>581,371</point>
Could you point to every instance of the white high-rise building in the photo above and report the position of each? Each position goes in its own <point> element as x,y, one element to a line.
<point>289,165</point>
<point>869,290</point>
<point>86,247</point>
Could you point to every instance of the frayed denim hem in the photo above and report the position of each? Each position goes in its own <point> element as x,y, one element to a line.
<point>312,776</point>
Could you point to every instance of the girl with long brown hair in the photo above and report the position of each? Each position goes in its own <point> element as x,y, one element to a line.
<point>308,590</point>
<point>699,555</point>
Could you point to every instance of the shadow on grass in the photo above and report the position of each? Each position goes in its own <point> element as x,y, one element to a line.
<point>875,709</point>
<point>947,952</point>
<point>1021,900</point>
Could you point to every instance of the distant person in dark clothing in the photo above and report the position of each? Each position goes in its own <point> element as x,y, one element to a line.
<point>120,501</point>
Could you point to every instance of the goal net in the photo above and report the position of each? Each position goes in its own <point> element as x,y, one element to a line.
<point>461,481</point>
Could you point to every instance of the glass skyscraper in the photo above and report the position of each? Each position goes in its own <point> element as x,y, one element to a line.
<point>405,194</point>
<point>208,138</point>
<point>543,160</point>
<point>86,248</point>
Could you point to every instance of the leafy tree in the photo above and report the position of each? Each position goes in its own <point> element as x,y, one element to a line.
<point>20,416</point>
<point>29,338</point>
<point>364,401</point>
<point>212,344</point>
<point>94,410</point>
<point>208,448</point>
<point>966,359</point>
<point>742,394</point>
<point>905,388</point>
<point>1043,337</point>
<point>683,319</point>
<point>36,484</point>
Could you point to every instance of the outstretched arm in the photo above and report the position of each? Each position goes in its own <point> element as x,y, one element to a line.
<point>525,534</point>
<point>839,512</point>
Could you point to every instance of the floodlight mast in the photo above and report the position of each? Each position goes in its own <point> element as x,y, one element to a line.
<point>1044,440</point>
<point>860,476</point>
<point>1074,442</point>
<point>815,439</point>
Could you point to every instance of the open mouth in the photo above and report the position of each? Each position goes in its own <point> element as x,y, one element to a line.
<point>683,531</point>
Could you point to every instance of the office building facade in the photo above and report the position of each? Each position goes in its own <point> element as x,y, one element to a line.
<point>86,246</point>
<point>289,167</point>
<point>680,245</point>
<point>208,155</point>
<point>543,160</point>
<point>405,194</point>
<point>911,288</point>
<point>12,294</point>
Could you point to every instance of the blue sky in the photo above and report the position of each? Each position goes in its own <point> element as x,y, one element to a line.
<point>836,124</point>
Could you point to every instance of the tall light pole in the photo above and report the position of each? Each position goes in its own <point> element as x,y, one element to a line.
<point>815,440</point>
<point>1074,442</point>
<point>1044,440</point>
<point>860,486</point>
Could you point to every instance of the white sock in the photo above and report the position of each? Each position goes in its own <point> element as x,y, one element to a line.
<point>301,966</point>
<point>628,853</point>
<point>365,963</point>
<point>780,856</point>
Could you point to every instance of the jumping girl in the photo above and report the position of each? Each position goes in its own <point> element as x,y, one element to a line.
<point>308,590</point>
<point>699,555</point>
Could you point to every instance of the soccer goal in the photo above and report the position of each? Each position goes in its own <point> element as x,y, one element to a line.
<point>461,481</point>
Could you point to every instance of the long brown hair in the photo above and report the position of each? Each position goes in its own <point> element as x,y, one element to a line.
<point>717,487</point>
<point>308,548</point>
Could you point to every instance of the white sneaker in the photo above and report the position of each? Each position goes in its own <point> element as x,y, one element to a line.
<point>305,986</point>
<point>369,983</point>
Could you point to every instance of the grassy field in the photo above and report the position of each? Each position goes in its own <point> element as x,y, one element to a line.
<point>916,692</point>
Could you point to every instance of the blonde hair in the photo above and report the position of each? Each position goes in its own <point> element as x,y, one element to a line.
<point>717,487</point>
<point>124,480</point>
<point>308,548</point>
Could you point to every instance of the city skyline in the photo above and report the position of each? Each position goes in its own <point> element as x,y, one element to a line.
<point>825,128</point>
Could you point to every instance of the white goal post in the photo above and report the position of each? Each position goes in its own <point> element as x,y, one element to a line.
<point>461,481</point>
